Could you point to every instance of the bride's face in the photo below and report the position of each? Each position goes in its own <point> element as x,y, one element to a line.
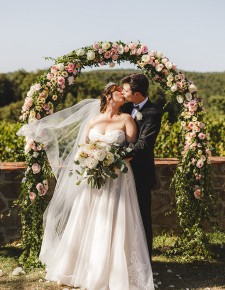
<point>117,97</point>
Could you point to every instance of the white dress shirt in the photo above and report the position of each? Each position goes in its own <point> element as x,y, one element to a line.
<point>134,111</point>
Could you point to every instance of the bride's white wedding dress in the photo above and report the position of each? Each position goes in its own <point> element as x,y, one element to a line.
<point>103,245</point>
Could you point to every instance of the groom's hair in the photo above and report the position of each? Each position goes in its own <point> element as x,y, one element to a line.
<point>138,83</point>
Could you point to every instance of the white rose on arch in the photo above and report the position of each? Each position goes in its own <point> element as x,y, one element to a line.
<point>192,88</point>
<point>80,52</point>
<point>90,55</point>
<point>106,45</point>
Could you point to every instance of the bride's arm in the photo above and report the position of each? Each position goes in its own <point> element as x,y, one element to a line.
<point>89,125</point>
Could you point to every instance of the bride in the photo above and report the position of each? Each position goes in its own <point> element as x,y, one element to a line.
<point>93,238</point>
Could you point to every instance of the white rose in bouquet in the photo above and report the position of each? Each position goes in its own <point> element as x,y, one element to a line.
<point>99,155</point>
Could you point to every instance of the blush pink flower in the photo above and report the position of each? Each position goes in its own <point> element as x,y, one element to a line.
<point>50,76</point>
<point>138,51</point>
<point>36,168</point>
<point>32,196</point>
<point>39,187</point>
<point>54,69</point>
<point>71,80</point>
<point>100,51</point>
<point>200,163</point>
<point>197,192</point>
<point>132,45</point>
<point>115,57</point>
<point>126,48</point>
<point>60,80</point>
<point>95,46</point>
<point>42,192</point>
<point>201,136</point>
<point>107,54</point>
<point>144,49</point>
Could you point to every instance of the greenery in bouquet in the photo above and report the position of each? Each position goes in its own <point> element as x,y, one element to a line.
<point>98,160</point>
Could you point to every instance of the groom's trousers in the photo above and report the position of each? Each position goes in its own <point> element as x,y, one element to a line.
<point>143,187</point>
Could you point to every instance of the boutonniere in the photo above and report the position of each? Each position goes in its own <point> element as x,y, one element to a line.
<point>139,116</point>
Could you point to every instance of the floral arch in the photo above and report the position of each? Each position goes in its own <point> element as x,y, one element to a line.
<point>194,200</point>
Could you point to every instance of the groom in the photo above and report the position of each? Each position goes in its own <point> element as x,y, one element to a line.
<point>148,121</point>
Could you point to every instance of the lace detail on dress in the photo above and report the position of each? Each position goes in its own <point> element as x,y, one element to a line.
<point>114,136</point>
<point>137,270</point>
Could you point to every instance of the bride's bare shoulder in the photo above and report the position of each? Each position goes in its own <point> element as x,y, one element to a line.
<point>126,116</point>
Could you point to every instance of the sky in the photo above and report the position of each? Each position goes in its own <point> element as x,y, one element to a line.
<point>191,33</point>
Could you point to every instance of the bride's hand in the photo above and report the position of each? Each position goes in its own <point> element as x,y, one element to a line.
<point>128,159</point>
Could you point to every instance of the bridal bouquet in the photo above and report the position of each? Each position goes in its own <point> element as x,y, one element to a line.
<point>98,160</point>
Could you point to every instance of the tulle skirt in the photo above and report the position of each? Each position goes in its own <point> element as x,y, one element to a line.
<point>103,244</point>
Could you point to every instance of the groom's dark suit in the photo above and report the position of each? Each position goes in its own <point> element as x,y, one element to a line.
<point>143,162</point>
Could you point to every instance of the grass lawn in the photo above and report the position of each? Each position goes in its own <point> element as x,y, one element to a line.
<point>169,273</point>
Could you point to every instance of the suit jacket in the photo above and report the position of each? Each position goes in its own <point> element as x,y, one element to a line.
<point>143,150</point>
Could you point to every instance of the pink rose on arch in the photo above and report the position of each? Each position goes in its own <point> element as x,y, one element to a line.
<point>46,107</point>
<point>60,80</point>
<point>115,57</point>
<point>71,80</point>
<point>100,51</point>
<point>50,76</point>
<point>54,69</point>
<point>107,54</point>
<point>165,71</point>
<point>126,48</point>
<point>138,51</point>
<point>198,176</point>
<point>144,49</point>
<point>201,136</point>
<point>96,46</point>
<point>42,192</point>
<point>132,45</point>
<point>36,168</point>
<point>200,163</point>
<point>197,192</point>
<point>39,187</point>
<point>32,196</point>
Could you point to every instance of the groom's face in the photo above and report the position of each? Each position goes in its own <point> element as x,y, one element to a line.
<point>127,93</point>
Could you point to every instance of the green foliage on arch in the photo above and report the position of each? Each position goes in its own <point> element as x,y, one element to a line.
<point>194,197</point>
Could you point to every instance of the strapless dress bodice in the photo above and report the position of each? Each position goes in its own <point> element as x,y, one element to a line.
<point>114,136</point>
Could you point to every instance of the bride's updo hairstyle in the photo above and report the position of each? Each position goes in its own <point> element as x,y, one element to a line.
<point>104,99</point>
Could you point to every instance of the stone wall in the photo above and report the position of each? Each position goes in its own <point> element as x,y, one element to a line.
<point>12,173</point>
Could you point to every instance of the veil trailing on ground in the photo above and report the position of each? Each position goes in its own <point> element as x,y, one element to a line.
<point>61,133</point>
